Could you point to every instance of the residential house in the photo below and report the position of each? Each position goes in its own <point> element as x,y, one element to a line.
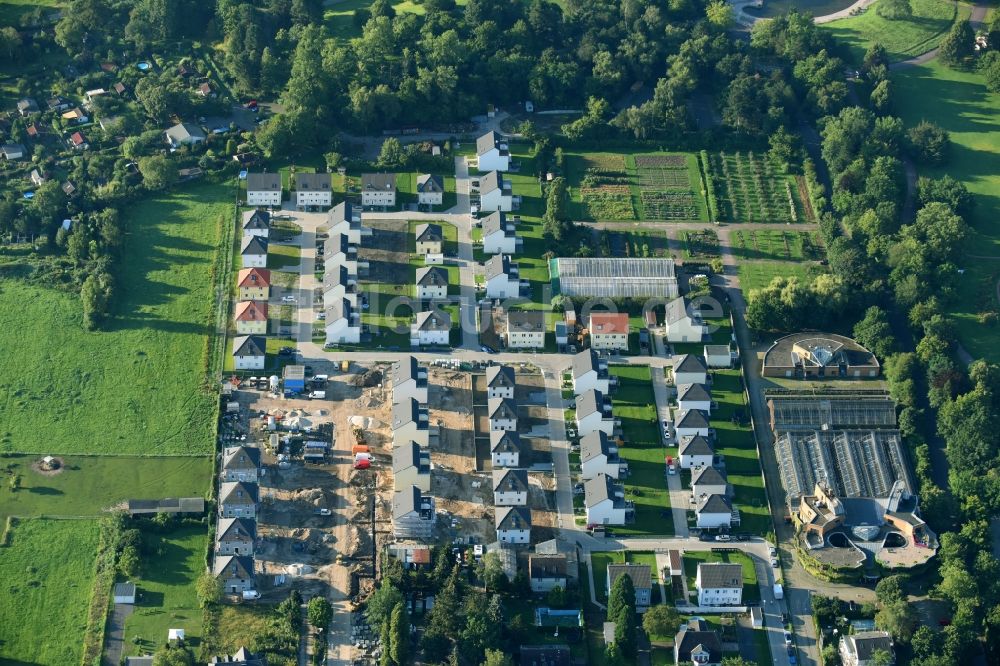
<point>545,655</point>
<point>27,107</point>
<point>251,318</point>
<point>410,423</point>
<point>13,151</point>
<point>242,657</point>
<point>254,284</point>
<point>683,322</point>
<point>249,352</point>
<point>695,451</point>
<point>313,189</point>
<point>411,466</point>
<point>184,134</point>
<point>689,369</point>
<point>264,189</point>
<point>429,238</point>
<point>502,413</point>
<point>431,283</point>
<point>713,512</point>
<point>697,645</point>
<point>561,333</point>
<point>256,223</point>
<point>605,502</point>
<point>119,89</point>
<point>37,178</point>
<point>495,193</point>
<point>78,141</point>
<point>238,499</point>
<point>340,251</point>
<point>235,536</point>
<point>707,481</point>
<point>510,487</point>
<point>341,283</point>
<point>409,380</point>
<point>642,581</point>
<point>91,95</point>
<point>205,90</point>
<point>431,328</point>
<point>718,356</point>
<point>859,649</point>
<point>500,382</point>
<point>599,455</point>
<point>240,463</point>
<point>502,277</point>
<point>123,593</point>
<point>68,188</point>
<point>694,396</point>
<point>513,524</point>
<point>430,190</point>
<point>590,372</point>
<point>593,414</point>
<point>525,329</point>
<point>691,422</point>
<point>344,218</point>
<point>499,235</point>
<point>342,323</point>
<point>253,252</point>
<point>505,448</point>
<point>378,189</point>
<point>413,514</point>
<point>75,115</point>
<point>492,152</point>
<point>235,572</point>
<point>719,584</point>
<point>608,331</point>
<point>546,572</point>
<point>33,129</point>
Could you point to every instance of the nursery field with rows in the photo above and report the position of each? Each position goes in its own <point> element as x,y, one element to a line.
<point>748,188</point>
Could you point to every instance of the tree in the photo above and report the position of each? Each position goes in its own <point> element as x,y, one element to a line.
<point>128,562</point>
<point>958,44</point>
<point>928,143</point>
<point>172,655</point>
<point>556,598</point>
<point>719,14</point>
<point>875,333</point>
<point>898,618</point>
<point>989,65</point>
<point>319,612</point>
<point>399,634</point>
<point>736,660</point>
<point>621,611</point>
<point>497,658</point>
<point>882,658</point>
<point>783,147</point>
<point>158,172</point>
<point>946,190</point>
<point>555,219</point>
<point>208,588</point>
<point>661,620</point>
<point>381,602</point>
<point>889,590</point>
<point>881,96</point>
<point>94,297</point>
<point>894,9</point>
<point>391,155</point>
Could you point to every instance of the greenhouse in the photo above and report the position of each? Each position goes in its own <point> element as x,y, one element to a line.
<point>614,277</point>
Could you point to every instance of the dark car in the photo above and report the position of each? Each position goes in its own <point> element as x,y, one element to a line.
<point>792,659</point>
<point>285,351</point>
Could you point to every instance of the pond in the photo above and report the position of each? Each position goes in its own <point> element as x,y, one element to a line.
<point>774,8</point>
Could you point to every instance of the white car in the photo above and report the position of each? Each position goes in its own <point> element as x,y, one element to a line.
<point>287,299</point>
<point>321,316</point>
<point>323,512</point>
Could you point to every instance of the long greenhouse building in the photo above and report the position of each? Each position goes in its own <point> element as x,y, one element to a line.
<point>614,277</point>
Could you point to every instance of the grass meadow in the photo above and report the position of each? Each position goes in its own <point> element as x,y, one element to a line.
<point>902,38</point>
<point>11,11</point>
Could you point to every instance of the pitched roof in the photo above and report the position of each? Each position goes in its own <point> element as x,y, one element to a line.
<point>510,480</point>
<point>406,369</point>
<point>608,322</point>
<point>697,637</point>
<point>342,212</point>
<point>338,309</point>
<point>696,445</point>
<point>641,574</point>
<point>238,492</point>
<point>712,350</point>
<point>601,487</point>
<point>679,309</point>
<point>496,221</point>
<point>488,142</point>
<point>546,566</point>
<point>432,276</point>
<point>251,311</point>
<point>505,441</point>
<point>264,182</point>
<point>499,376</point>
<point>428,182</point>
<point>720,574</point>
<point>312,182</point>
<point>590,401</point>
<point>428,233</point>
<point>709,476</point>
<point>404,412</point>
<point>256,219</point>
<point>433,320</point>
<point>338,244</point>
<point>715,504</point>
<point>240,457</point>
<point>595,444</point>
<point>410,455</point>
<point>249,345</point>
<point>691,418</point>
<point>585,361</point>
<point>77,138</point>
<point>405,502</point>
<point>233,566</point>
<point>688,363</point>
<point>501,408</point>
<point>236,529</point>
<point>253,245</point>
<point>525,321</point>
<point>866,643</point>
<point>698,392</point>
<point>513,518</point>
<point>253,277</point>
<point>378,182</point>
<point>124,589</point>
<point>498,264</point>
<point>491,181</point>
<point>183,131</point>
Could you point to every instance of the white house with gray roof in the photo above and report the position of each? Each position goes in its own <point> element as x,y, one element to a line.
<point>495,193</point>
<point>500,382</point>
<point>502,414</point>
<point>599,455</point>
<point>234,572</point>
<point>341,283</point>
<point>593,414</point>
<point>695,451</point>
<point>683,322</point>
<point>492,152</point>
<point>431,283</point>
<point>505,448</point>
<point>431,328</point>
<point>510,487</point>
<point>694,396</point>
<point>249,352</point>
<point>605,502</point>
<point>689,369</point>
<point>642,581</point>
<point>590,372</point>
<point>253,252</point>
<point>409,380</point>
<point>713,512</point>
<point>185,134</point>
<point>859,649</point>
<point>411,466</point>
<point>524,329</point>
<point>502,277</point>
<point>707,481</point>
<point>718,356</point>
<point>378,189</point>
<point>410,423</point>
<point>240,463</point>
<point>238,499</point>
<point>499,234</point>
<point>345,218</point>
<point>313,189</point>
<point>690,422</point>
<point>235,536</point>
<point>264,189</point>
<point>513,524</point>
<point>413,514</point>
<point>430,190</point>
<point>256,223</point>
<point>719,584</point>
<point>343,323</point>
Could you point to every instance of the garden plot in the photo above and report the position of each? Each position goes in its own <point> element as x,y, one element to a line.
<point>666,187</point>
<point>777,245</point>
<point>749,189</point>
<point>605,189</point>
<point>702,244</point>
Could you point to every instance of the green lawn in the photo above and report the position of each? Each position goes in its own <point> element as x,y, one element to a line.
<point>48,573</point>
<point>170,566</point>
<point>91,484</point>
<point>751,592</point>
<point>901,38</point>
<point>136,387</point>
<point>282,256</point>
<point>11,11</point>
<point>600,562</point>
<point>776,245</point>
<point>758,274</point>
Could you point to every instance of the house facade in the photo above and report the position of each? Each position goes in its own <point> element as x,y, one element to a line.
<point>510,487</point>
<point>642,581</point>
<point>378,189</point>
<point>502,277</point>
<point>409,380</point>
<point>683,323</point>
<point>513,524</point>
<point>605,503</point>
<point>495,193</point>
<point>690,423</point>
<point>500,382</point>
<point>609,331</point>
<point>240,463</point>
<point>593,414</point>
<point>719,584</point>
<point>492,153</point>
<point>431,283</point>
<point>430,190</point>
<point>431,328</point>
<point>714,512</point>
<point>253,252</point>
<point>505,448</point>
<point>313,190</point>
<point>502,413</point>
<point>410,423</point>
<point>238,499</point>
<point>590,372</point>
<point>546,572</point>
<point>695,451</point>
<point>343,324</point>
<point>696,644</point>
<point>525,329</point>
<point>707,481</point>
<point>411,466</point>
<point>235,573</point>
<point>254,284</point>
<point>251,317</point>
<point>718,356</point>
<point>264,189</point>
<point>599,455</point>
<point>689,369</point>
<point>235,536</point>
<point>860,649</point>
<point>429,238</point>
<point>249,352</point>
<point>345,218</point>
<point>499,235</point>
<point>256,223</point>
<point>413,514</point>
<point>694,396</point>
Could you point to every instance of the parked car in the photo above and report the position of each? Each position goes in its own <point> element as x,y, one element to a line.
<point>287,299</point>
<point>323,512</point>
<point>788,638</point>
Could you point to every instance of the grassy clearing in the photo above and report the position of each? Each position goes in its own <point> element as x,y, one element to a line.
<point>11,11</point>
<point>90,484</point>
<point>48,571</point>
<point>901,38</point>
<point>777,245</point>
<point>167,588</point>
<point>282,256</point>
<point>759,274</point>
<point>136,387</point>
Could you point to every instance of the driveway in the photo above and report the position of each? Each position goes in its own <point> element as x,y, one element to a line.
<point>114,638</point>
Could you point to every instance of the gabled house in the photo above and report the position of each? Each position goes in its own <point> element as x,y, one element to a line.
<point>546,572</point>
<point>429,238</point>
<point>33,129</point>
<point>499,235</point>
<point>249,352</point>
<point>513,524</point>
<point>37,178</point>
<point>75,115</point>
<point>409,380</point>
<point>251,318</point>
<point>605,502</point>
<point>502,413</point>
<point>689,369</point>
<point>410,423</point>
<point>411,466</point>
<point>253,252</point>
<point>590,372</point>
<point>242,657</point>
<point>495,193</point>
<point>694,396</point>
<point>256,223</point>
<point>342,323</point>
<point>502,277</point>
<point>340,282</point>
<point>608,331</point>
<point>240,463</point>
<point>78,141</point>
<point>205,90</point>
<point>58,103</point>
<point>235,573</point>
<point>13,151</point>
<point>430,190</point>
<point>235,536</point>
<point>719,584</point>
<point>599,455</point>
<point>492,152</point>
<point>413,514</point>
<point>238,499</point>
<point>340,251</point>
<point>510,487</point>
<point>525,329</point>
<point>27,107</point>
<point>119,89</point>
<point>313,189</point>
<point>642,581</point>
<point>345,218</point>
<point>707,481</point>
<point>431,328</point>
<point>691,422</point>
<point>860,649</point>
<point>505,448</point>
<point>68,188</point>
<point>184,134</point>
<point>593,414</point>
<point>718,356</point>
<point>264,189</point>
<point>254,284</point>
<point>378,189</point>
<point>695,451</point>
<point>683,323</point>
<point>714,511</point>
<point>500,382</point>
<point>431,283</point>
<point>697,645</point>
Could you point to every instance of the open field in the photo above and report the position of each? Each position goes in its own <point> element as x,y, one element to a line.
<point>171,564</point>
<point>135,388</point>
<point>88,485</point>
<point>901,38</point>
<point>48,571</point>
<point>11,11</point>
<point>959,102</point>
<point>759,274</point>
<point>777,245</point>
